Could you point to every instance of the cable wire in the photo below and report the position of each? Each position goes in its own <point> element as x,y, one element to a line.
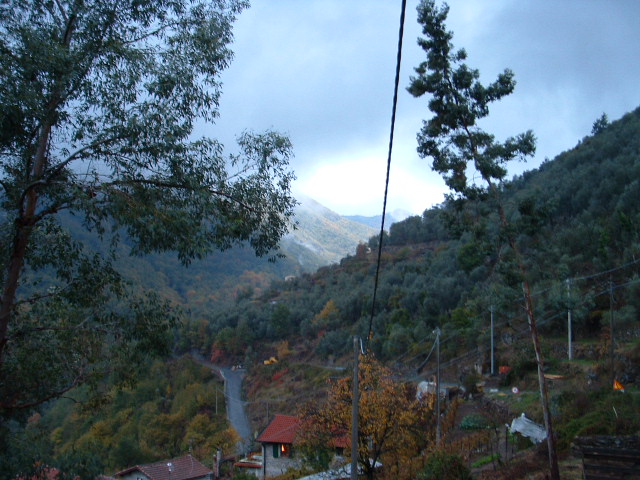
<point>386,185</point>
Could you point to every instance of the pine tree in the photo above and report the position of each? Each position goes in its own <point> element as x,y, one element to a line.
<point>460,149</point>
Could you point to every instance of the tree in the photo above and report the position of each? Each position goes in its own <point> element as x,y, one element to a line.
<point>99,101</point>
<point>392,424</point>
<point>455,142</point>
<point>600,124</point>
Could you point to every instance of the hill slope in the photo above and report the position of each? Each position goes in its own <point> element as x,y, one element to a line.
<point>323,237</point>
<point>579,216</point>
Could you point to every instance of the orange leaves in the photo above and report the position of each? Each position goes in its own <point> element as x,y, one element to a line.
<point>392,423</point>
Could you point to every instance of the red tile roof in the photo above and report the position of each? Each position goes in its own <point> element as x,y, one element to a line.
<point>342,440</point>
<point>182,468</point>
<point>282,429</point>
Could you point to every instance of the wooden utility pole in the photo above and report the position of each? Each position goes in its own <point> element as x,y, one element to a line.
<point>544,393</point>
<point>354,410</point>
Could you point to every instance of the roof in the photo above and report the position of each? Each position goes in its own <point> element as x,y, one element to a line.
<point>341,440</point>
<point>181,468</point>
<point>282,429</point>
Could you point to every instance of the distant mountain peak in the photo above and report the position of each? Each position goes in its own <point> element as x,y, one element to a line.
<point>374,221</point>
<point>323,236</point>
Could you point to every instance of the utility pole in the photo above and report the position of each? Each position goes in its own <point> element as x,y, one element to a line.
<point>354,410</point>
<point>493,369</point>
<point>569,346</point>
<point>216,463</point>
<point>542,382</point>
<point>611,349</point>
<point>438,431</point>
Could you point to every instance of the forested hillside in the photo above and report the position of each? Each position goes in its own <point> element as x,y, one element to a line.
<point>579,220</point>
<point>321,237</point>
<point>177,406</point>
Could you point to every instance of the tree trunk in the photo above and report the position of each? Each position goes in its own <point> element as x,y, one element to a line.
<point>23,225</point>
<point>542,382</point>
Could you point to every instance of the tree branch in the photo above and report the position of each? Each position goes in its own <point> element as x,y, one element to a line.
<point>62,11</point>
<point>58,168</point>
<point>180,186</point>
<point>58,393</point>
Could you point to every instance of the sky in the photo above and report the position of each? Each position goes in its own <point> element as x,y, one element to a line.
<point>322,72</point>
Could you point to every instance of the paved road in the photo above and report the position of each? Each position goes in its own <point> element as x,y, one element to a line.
<point>235,405</point>
<point>236,413</point>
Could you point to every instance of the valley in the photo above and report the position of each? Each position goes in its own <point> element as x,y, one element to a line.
<point>431,277</point>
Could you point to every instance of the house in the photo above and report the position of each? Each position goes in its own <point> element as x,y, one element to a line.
<point>181,468</point>
<point>278,445</point>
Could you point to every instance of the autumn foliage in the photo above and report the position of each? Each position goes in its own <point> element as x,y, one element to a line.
<point>394,427</point>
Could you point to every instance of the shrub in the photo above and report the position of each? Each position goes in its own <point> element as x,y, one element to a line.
<point>444,466</point>
<point>470,383</point>
<point>602,413</point>
<point>243,476</point>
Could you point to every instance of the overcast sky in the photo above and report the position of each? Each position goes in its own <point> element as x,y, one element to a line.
<point>322,72</point>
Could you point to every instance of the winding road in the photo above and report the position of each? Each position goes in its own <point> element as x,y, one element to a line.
<point>236,413</point>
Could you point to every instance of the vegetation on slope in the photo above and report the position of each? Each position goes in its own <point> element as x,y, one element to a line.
<point>435,273</point>
<point>177,407</point>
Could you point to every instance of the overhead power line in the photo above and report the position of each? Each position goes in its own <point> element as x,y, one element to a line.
<point>386,184</point>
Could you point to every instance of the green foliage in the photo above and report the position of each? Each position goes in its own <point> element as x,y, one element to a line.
<point>486,460</point>
<point>243,476</point>
<point>452,137</point>
<point>474,421</point>
<point>444,466</point>
<point>600,124</point>
<point>317,457</point>
<point>97,107</point>
<point>425,285</point>
<point>171,410</point>
<point>603,412</point>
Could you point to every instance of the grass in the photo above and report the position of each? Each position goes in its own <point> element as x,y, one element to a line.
<point>486,460</point>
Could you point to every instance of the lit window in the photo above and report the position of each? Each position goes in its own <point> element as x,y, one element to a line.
<point>285,450</point>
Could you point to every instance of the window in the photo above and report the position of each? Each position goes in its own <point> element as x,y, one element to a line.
<point>281,450</point>
<point>285,450</point>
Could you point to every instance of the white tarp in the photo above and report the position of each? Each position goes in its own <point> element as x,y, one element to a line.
<point>528,428</point>
<point>336,474</point>
<point>425,387</point>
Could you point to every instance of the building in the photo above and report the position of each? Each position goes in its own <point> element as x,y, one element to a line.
<point>181,468</point>
<point>278,439</point>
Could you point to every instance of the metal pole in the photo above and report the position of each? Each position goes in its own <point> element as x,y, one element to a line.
<point>354,411</point>
<point>438,431</point>
<point>569,346</point>
<point>611,331</point>
<point>493,369</point>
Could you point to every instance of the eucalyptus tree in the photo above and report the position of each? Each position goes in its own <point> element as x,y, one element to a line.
<point>460,149</point>
<point>99,102</point>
